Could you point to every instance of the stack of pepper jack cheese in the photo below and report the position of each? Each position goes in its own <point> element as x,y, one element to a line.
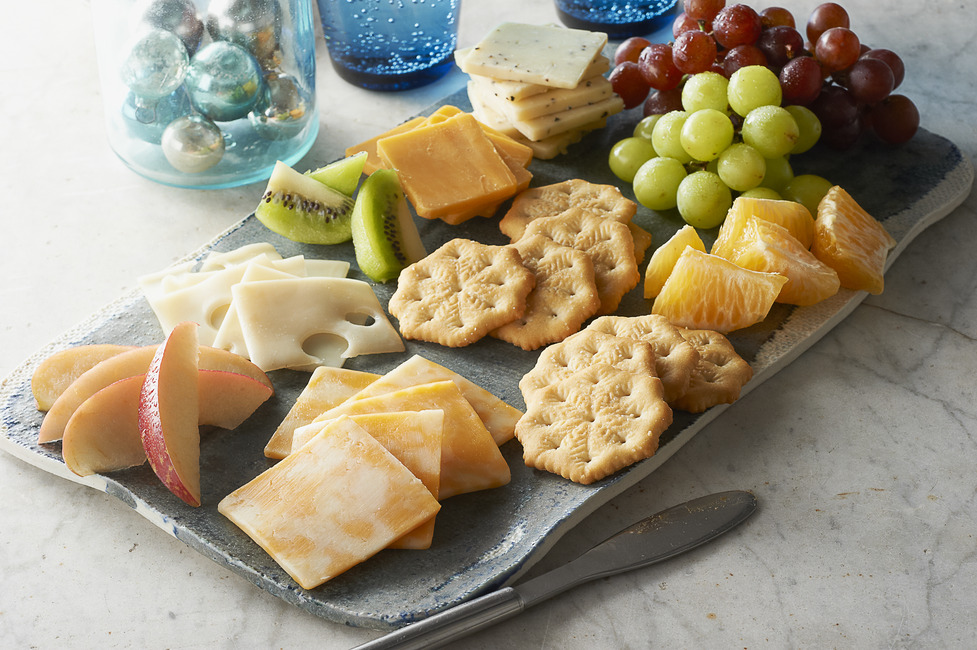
<point>543,85</point>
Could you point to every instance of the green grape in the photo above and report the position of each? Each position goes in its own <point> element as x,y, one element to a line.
<point>771,130</point>
<point>778,173</point>
<point>808,190</point>
<point>706,134</point>
<point>741,167</point>
<point>667,136</point>
<point>657,181</point>
<point>808,125</point>
<point>753,86</point>
<point>703,199</point>
<point>763,193</point>
<point>628,155</point>
<point>644,128</point>
<point>705,90</point>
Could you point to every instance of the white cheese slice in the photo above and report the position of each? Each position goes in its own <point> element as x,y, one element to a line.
<point>545,126</point>
<point>539,54</point>
<point>336,502</point>
<point>554,100</point>
<point>303,323</point>
<point>216,261</point>
<point>515,91</point>
<point>229,335</point>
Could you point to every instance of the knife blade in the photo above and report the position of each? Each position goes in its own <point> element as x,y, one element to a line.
<point>653,539</point>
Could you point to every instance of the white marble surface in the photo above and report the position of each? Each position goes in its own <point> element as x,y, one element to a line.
<point>862,452</point>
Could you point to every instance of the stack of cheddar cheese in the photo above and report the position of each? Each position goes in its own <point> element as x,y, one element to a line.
<point>451,166</point>
<point>542,85</point>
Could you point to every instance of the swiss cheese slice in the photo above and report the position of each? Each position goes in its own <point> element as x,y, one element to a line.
<point>336,502</point>
<point>217,260</point>
<point>328,386</point>
<point>303,323</point>
<point>448,167</point>
<point>470,459</point>
<point>414,438</point>
<point>538,54</point>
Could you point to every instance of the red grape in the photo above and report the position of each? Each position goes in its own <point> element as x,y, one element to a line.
<point>895,119</point>
<point>736,25</point>
<point>629,84</point>
<point>630,49</point>
<point>780,44</point>
<point>703,9</point>
<point>660,102</point>
<point>658,67</point>
<point>824,17</point>
<point>892,60</point>
<point>773,16</point>
<point>742,56</point>
<point>684,23</point>
<point>842,136</point>
<point>694,52</point>
<point>870,80</point>
<point>801,80</point>
<point>835,107</point>
<point>837,48</point>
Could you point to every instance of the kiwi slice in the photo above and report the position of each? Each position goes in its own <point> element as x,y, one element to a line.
<point>342,175</point>
<point>302,209</point>
<point>385,237</point>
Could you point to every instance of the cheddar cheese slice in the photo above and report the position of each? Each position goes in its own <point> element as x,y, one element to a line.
<point>373,161</point>
<point>448,167</point>
<point>414,438</point>
<point>336,502</point>
<point>327,387</point>
<point>470,459</point>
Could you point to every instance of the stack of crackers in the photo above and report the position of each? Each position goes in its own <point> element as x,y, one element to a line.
<point>542,85</point>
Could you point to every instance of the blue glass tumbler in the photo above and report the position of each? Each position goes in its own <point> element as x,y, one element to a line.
<point>390,44</point>
<point>619,19</point>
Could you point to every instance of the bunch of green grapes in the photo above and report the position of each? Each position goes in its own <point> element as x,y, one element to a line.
<point>731,136</point>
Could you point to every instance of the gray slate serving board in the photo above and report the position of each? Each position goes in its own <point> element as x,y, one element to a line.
<point>484,540</point>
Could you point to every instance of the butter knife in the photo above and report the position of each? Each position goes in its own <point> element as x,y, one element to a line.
<point>653,539</point>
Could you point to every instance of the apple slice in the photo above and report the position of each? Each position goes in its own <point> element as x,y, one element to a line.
<point>103,434</point>
<point>168,412</point>
<point>129,364</point>
<point>55,373</point>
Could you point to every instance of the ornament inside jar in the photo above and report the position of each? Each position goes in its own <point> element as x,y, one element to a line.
<point>211,94</point>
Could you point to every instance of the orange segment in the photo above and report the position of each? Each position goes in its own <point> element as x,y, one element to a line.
<point>851,241</point>
<point>768,247</point>
<point>661,263</point>
<point>705,291</point>
<point>791,215</point>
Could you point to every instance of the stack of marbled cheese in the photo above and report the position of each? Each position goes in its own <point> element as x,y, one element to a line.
<point>540,84</point>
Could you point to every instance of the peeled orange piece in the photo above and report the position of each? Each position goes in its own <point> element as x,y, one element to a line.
<point>851,241</point>
<point>705,291</point>
<point>768,247</point>
<point>661,263</point>
<point>791,215</point>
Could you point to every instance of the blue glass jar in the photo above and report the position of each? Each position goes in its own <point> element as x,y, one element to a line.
<point>207,94</point>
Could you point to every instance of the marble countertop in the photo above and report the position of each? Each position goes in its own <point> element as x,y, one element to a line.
<point>862,452</point>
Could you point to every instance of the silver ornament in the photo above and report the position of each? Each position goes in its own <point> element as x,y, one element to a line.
<point>283,108</point>
<point>156,65</point>
<point>223,81</point>
<point>193,144</point>
<point>178,16</point>
<point>255,25</point>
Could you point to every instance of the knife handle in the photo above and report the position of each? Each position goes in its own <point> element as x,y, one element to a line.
<point>451,624</point>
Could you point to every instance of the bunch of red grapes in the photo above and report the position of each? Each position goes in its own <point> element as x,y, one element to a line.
<point>848,85</point>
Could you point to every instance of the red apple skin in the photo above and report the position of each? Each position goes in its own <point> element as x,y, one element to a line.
<point>168,413</point>
<point>103,434</point>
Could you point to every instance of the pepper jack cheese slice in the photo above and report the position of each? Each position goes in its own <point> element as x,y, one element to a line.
<point>497,416</point>
<point>414,438</point>
<point>448,167</point>
<point>470,459</point>
<point>517,90</point>
<point>336,502</point>
<point>552,101</point>
<point>538,54</point>
<point>327,387</point>
<point>302,323</point>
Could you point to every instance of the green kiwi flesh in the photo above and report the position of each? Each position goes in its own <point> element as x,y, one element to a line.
<point>385,237</point>
<point>342,175</point>
<point>302,209</point>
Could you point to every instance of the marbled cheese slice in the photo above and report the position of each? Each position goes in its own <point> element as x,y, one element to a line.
<point>328,386</point>
<point>336,502</point>
<point>538,54</point>
<point>470,459</point>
